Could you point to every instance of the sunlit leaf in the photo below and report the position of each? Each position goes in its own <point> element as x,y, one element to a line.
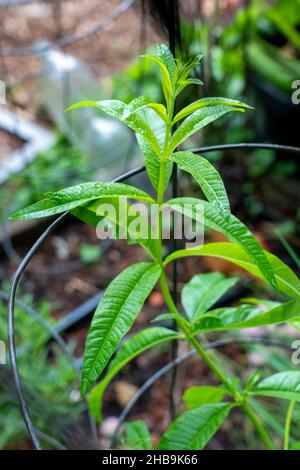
<point>137,435</point>
<point>200,118</point>
<point>127,113</point>
<point>206,176</point>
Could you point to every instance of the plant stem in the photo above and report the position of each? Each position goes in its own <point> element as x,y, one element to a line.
<point>288,421</point>
<point>206,356</point>
<point>212,364</point>
<point>258,425</point>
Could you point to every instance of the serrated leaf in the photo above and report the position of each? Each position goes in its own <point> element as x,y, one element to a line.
<point>127,114</point>
<point>131,348</point>
<point>206,176</point>
<point>137,435</point>
<point>194,397</point>
<point>231,227</point>
<point>75,196</point>
<point>245,316</point>
<point>114,316</point>
<point>203,291</point>
<point>284,385</point>
<point>287,281</point>
<point>199,119</point>
<point>205,102</point>
<point>194,428</point>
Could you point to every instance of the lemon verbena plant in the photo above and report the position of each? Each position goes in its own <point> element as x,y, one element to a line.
<point>158,137</point>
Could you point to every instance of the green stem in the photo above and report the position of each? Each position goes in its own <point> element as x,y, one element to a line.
<point>208,357</point>
<point>212,364</point>
<point>258,425</point>
<point>162,173</point>
<point>288,422</point>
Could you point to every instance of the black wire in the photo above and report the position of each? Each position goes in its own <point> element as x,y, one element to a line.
<point>247,145</point>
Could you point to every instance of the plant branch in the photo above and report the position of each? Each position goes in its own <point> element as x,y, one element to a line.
<point>212,364</point>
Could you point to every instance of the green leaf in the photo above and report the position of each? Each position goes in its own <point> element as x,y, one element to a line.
<point>194,428</point>
<point>184,70</point>
<point>152,163</point>
<point>121,216</point>
<point>114,316</point>
<point>252,380</point>
<point>295,446</point>
<point>206,176</point>
<point>284,385</point>
<point>144,102</point>
<point>204,102</point>
<point>165,77</point>
<point>203,291</point>
<point>133,347</point>
<point>200,395</point>
<point>74,196</point>
<point>260,302</point>
<point>190,81</point>
<point>245,316</point>
<point>127,113</point>
<point>137,435</point>
<point>199,119</point>
<point>231,227</point>
<point>287,281</point>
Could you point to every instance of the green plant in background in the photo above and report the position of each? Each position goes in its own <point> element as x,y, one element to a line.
<point>48,377</point>
<point>126,294</point>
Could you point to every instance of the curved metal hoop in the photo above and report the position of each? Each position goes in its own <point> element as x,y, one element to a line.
<point>26,260</point>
